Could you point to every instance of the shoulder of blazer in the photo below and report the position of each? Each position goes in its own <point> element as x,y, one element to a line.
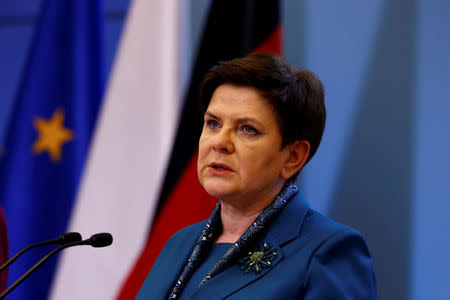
<point>321,226</point>
<point>339,261</point>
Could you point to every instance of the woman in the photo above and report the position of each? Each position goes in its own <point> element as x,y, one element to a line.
<point>263,123</point>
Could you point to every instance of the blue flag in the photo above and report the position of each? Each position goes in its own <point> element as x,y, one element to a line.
<point>49,133</point>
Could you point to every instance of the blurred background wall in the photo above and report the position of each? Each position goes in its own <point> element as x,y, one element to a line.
<point>383,166</point>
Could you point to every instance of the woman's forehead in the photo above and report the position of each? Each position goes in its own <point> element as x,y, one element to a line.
<point>239,104</point>
<point>245,97</point>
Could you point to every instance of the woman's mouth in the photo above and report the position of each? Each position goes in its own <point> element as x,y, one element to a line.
<point>220,167</point>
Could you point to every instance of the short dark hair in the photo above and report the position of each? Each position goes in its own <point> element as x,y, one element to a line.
<point>296,95</point>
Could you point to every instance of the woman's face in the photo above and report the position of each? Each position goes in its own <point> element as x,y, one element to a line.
<point>240,156</point>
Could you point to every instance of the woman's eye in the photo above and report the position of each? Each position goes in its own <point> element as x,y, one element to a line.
<point>212,123</point>
<point>247,129</point>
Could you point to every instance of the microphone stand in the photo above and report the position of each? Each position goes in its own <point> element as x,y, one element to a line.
<point>97,240</point>
<point>15,257</point>
<point>33,268</point>
<point>63,239</point>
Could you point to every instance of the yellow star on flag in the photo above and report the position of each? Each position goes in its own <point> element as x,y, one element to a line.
<point>52,135</point>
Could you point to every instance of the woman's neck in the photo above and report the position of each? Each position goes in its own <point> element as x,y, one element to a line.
<point>235,222</point>
<point>238,214</point>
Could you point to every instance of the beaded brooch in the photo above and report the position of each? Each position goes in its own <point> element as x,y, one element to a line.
<point>259,259</point>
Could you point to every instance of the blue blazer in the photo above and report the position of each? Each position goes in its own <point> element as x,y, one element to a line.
<point>317,258</point>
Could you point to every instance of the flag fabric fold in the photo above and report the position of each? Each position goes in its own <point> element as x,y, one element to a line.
<point>49,133</point>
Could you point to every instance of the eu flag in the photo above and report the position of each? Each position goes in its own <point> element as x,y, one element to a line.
<point>49,133</point>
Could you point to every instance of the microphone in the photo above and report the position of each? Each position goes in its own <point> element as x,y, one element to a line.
<point>97,240</point>
<point>62,240</point>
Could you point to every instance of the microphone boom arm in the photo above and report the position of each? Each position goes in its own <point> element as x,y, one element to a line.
<point>97,240</point>
<point>63,239</point>
<point>33,268</point>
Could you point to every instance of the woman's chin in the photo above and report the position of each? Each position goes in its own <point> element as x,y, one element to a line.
<point>221,192</point>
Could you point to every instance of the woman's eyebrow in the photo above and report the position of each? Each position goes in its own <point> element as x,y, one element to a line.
<point>210,114</point>
<point>238,120</point>
<point>248,119</point>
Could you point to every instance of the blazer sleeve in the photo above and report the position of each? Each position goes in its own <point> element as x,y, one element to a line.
<point>341,268</point>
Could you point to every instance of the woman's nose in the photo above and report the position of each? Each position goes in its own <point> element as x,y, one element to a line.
<point>223,142</point>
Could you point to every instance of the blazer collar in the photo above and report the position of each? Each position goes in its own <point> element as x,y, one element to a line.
<point>284,228</point>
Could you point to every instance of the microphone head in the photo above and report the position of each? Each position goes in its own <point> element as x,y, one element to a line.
<point>101,240</point>
<point>69,238</point>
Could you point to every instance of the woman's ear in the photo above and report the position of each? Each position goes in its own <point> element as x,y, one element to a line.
<point>298,152</point>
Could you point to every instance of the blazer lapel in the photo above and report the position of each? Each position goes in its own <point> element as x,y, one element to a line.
<point>288,224</point>
<point>284,228</point>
